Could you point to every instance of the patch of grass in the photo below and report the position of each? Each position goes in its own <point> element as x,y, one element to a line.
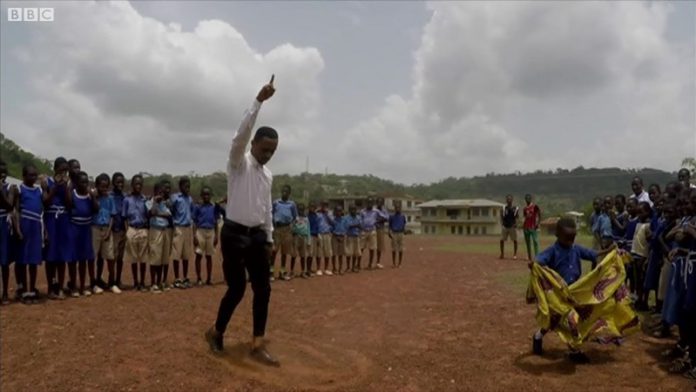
<point>490,245</point>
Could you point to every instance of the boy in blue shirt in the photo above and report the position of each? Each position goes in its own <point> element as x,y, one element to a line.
<point>397,226</point>
<point>284,213</point>
<point>354,224</point>
<point>182,242</point>
<point>324,239</point>
<point>102,222</point>
<point>340,230</point>
<point>118,228</point>
<point>314,233</point>
<point>159,242</point>
<point>301,241</point>
<point>134,214</point>
<point>205,234</point>
<point>564,257</point>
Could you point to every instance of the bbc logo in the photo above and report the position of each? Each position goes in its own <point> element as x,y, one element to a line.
<point>30,14</point>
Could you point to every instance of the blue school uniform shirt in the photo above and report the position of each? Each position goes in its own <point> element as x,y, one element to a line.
<point>313,223</point>
<point>204,216</point>
<point>602,226</point>
<point>159,222</point>
<point>324,221</point>
<point>134,211</point>
<point>119,225</point>
<point>566,261</point>
<point>397,223</point>
<point>617,231</point>
<point>107,210</point>
<point>369,219</point>
<point>284,212</point>
<point>57,202</point>
<point>630,232</point>
<point>354,224</point>
<point>382,217</point>
<point>81,212</point>
<point>340,226</point>
<point>182,209</point>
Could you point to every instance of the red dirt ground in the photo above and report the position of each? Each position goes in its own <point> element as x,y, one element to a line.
<point>444,322</point>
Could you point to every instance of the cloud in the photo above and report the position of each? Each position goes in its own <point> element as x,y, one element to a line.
<point>125,92</point>
<point>522,86</point>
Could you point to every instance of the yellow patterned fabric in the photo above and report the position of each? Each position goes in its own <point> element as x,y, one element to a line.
<point>597,305</point>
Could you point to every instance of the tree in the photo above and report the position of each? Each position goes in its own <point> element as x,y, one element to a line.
<point>689,163</point>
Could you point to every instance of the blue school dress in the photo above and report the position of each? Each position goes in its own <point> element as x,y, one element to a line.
<point>652,275</point>
<point>57,221</point>
<point>31,225</point>
<point>682,274</point>
<point>81,228</point>
<point>6,245</point>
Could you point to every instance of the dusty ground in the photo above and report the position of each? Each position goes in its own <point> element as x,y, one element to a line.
<point>452,319</point>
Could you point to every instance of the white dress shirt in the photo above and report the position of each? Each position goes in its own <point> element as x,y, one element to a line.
<point>643,197</point>
<point>248,182</point>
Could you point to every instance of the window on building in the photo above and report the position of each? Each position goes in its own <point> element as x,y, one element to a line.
<point>409,204</point>
<point>476,211</point>
<point>453,214</point>
<point>460,230</point>
<point>433,229</point>
<point>453,229</point>
<point>484,212</point>
<point>426,229</point>
<point>468,213</point>
<point>476,230</point>
<point>408,218</point>
<point>468,230</point>
<point>483,230</point>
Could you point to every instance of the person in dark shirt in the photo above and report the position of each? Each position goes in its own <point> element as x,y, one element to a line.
<point>509,220</point>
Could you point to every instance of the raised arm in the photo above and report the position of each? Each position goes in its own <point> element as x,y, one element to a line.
<point>268,223</point>
<point>243,135</point>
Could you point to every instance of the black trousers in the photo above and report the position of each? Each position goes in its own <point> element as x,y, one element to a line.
<point>244,249</point>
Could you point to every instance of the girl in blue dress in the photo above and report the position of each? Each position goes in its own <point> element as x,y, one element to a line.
<point>83,205</point>
<point>57,225</point>
<point>6,216</point>
<point>29,227</point>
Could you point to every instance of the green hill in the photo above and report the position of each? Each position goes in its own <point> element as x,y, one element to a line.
<point>555,191</point>
<point>16,158</point>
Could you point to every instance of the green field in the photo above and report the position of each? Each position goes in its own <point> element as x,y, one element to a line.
<point>516,279</point>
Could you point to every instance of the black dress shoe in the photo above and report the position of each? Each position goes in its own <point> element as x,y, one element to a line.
<point>214,339</point>
<point>537,346</point>
<point>578,357</point>
<point>260,354</point>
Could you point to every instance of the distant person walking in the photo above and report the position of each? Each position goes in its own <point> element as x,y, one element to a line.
<point>509,220</point>
<point>532,219</point>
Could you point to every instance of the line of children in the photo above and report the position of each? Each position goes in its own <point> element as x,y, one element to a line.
<point>322,235</point>
<point>66,223</point>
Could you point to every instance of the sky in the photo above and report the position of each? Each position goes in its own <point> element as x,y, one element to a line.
<point>409,91</point>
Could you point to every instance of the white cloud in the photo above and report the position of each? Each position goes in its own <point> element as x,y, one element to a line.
<point>124,92</point>
<point>522,86</point>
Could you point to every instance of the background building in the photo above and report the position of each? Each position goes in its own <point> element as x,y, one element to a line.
<point>461,217</point>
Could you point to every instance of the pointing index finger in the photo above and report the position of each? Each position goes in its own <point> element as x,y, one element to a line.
<point>272,78</point>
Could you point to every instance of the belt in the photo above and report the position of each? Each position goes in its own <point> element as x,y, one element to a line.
<point>159,228</point>
<point>240,229</point>
<point>189,225</point>
<point>279,224</point>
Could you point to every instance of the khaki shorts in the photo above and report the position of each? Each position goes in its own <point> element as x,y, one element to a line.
<point>397,242</point>
<point>102,247</point>
<point>136,245</point>
<point>510,233</point>
<point>352,246</point>
<point>282,240</point>
<point>159,246</point>
<point>119,244</point>
<point>300,246</point>
<point>370,241</point>
<point>206,242</point>
<point>321,246</point>
<point>338,243</point>
<point>381,239</point>
<point>665,272</point>
<point>182,244</point>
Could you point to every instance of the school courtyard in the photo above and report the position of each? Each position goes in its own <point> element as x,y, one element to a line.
<point>452,319</point>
